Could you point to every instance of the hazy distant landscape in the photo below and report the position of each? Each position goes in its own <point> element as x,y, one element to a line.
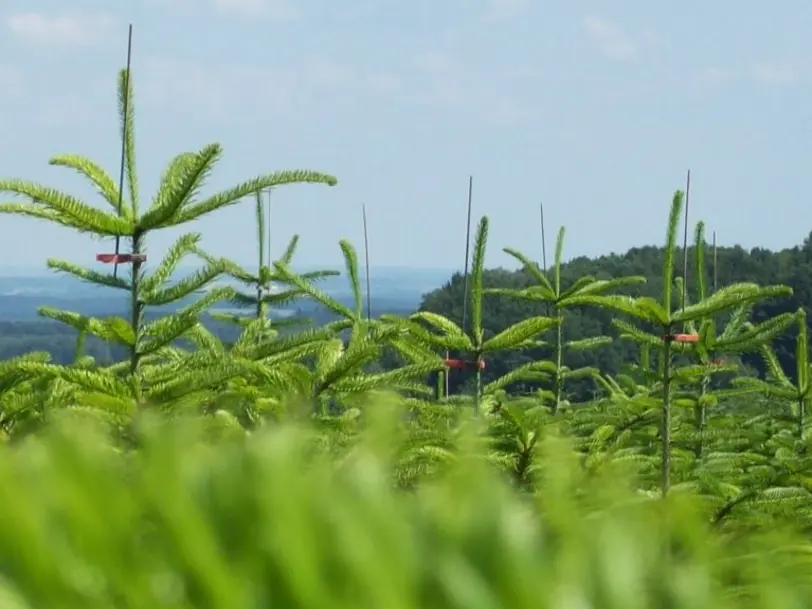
<point>393,289</point>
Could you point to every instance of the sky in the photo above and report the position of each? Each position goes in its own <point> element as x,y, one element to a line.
<point>596,109</point>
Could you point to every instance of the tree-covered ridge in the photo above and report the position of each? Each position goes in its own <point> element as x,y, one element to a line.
<point>674,411</point>
<point>790,266</point>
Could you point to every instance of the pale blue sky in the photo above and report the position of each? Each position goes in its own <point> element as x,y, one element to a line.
<point>597,108</point>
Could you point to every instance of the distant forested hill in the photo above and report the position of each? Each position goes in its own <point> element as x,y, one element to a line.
<point>792,267</point>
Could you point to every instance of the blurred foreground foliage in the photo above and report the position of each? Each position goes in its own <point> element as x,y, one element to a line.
<point>204,514</point>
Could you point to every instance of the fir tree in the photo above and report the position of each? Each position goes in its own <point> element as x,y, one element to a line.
<point>176,202</point>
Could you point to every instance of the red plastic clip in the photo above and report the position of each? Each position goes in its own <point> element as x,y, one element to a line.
<point>120,258</point>
<point>683,338</point>
<point>465,365</point>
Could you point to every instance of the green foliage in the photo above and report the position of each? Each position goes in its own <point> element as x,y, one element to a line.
<point>648,492</point>
<point>176,202</point>
<point>586,291</point>
<point>201,516</point>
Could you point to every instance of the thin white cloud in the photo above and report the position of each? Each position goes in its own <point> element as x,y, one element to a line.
<point>244,92</point>
<point>325,72</point>
<point>504,10</point>
<point>611,39</point>
<point>63,30</point>
<point>383,82</point>
<point>174,5</point>
<point>12,82</point>
<point>521,73</point>
<point>354,11</point>
<point>507,111</point>
<point>434,62</point>
<point>233,92</point>
<point>444,95</point>
<point>775,74</point>
<point>67,110</point>
<point>439,80</point>
<point>216,91</point>
<point>265,9</point>
<point>710,79</point>
<point>762,73</point>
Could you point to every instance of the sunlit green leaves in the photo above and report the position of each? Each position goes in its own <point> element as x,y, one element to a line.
<point>89,275</point>
<point>180,185</point>
<point>98,176</point>
<point>518,333</point>
<point>63,209</point>
<point>728,298</point>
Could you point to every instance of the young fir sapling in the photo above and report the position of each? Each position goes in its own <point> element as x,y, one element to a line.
<point>673,326</point>
<point>342,365</point>
<point>589,291</point>
<point>432,332</point>
<point>692,382</point>
<point>177,202</point>
<point>265,282</point>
